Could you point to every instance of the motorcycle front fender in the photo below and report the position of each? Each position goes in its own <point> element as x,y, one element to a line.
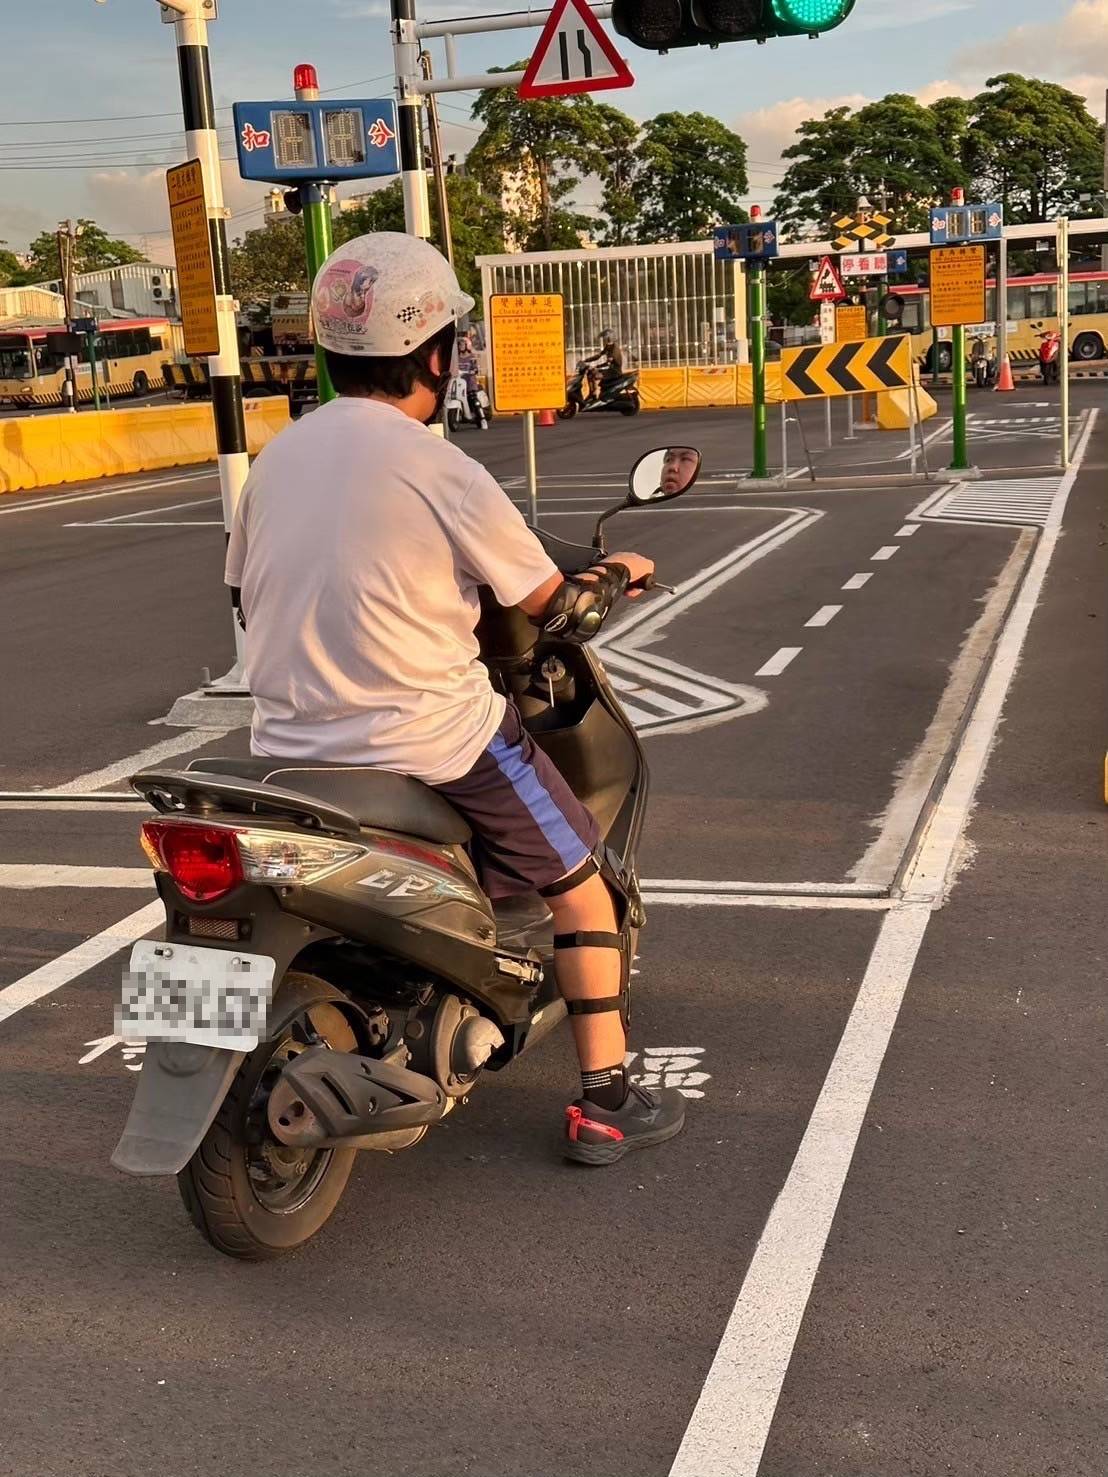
<point>180,1090</point>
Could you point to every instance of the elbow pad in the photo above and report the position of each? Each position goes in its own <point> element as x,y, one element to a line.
<point>578,607</point>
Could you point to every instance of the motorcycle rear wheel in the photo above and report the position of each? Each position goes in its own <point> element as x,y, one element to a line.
<point>453,420</point>
<point>250,1196</point>
<point>568,410</point>
<point>629,407</point>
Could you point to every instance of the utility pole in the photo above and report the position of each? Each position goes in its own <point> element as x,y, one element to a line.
<point>435,139</point>
<point>67,251</point>
<point>409,104</point>
<point>883,280</point>
<point>224,368</point>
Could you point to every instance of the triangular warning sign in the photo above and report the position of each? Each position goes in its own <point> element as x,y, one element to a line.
<point>827,285</point>
<point>573,55</point>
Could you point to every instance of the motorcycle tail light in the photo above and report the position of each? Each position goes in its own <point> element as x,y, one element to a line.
<point>287,857</point>
<point>203,860</point>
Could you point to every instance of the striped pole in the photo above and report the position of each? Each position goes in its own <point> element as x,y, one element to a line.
<point>405,51</point>
<point>224,369</point>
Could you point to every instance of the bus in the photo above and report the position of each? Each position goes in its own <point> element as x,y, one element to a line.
<point>129,352</point>
<point>1032,313</point>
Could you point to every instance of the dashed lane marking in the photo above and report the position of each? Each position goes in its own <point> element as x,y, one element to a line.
<point>885,552</point>
<point>907,531</point>
<point>778,661</point>
<point>83,497</point>
<point>856,581</point>
<point>824,615</point>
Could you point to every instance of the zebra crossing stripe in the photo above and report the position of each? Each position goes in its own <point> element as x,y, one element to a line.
<point>1024,503</point>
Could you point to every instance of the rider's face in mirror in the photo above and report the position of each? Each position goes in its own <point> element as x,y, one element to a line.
<point>679,465</point>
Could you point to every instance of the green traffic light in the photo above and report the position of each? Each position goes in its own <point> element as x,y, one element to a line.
<point>812,15</point>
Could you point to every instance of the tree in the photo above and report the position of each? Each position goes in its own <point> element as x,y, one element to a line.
<point>819,183</point>
<point>541,148</point>
<point>95,250</point>
<point>10,266</point>
<point>690,175</point>
<point>477,222</point>
<point>903,156</point>
<point>618,204</point>
<point>1035,147</point>
<point>268,260</point>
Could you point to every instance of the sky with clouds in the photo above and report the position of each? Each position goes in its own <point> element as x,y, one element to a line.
<point>79,74</point>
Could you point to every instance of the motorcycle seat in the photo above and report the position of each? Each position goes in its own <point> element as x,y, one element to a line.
<point>374,797</point>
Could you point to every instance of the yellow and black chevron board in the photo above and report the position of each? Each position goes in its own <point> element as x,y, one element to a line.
<point>846,369</point>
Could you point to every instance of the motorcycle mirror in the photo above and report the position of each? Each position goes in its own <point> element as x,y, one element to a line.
<point>663,474</point>
<point>656,477</point>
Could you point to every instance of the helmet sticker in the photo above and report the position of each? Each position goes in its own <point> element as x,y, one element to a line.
<point>345,296</point>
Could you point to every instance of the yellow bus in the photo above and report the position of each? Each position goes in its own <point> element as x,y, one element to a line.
<point>1032,313</point>
<point>129,357</point>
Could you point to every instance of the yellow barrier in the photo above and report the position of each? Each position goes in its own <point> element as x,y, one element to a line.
<point>43,450</point>
<point>710,385</point>
<point>744,384</point>
<point>663,389</point>
<point>894,407</point>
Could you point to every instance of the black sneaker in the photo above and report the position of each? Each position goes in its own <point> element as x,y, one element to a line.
<point>596,1135</point>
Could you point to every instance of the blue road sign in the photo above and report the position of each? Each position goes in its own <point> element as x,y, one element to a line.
<point>897,262</point>
<point>954,225</point>
<point>288,143</point>
<point>756,242</point>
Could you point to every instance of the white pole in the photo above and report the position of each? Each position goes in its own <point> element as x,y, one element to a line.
<point>827,420</point>
<point>850,436</point>
<point>784,443</point>
<point>409,107</point>
<point>1062,250</point>
<point>532,467</point>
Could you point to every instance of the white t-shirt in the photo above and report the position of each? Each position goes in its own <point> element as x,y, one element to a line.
<point>359,543</point>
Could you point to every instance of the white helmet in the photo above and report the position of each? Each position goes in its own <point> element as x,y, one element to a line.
<point>384,294</point>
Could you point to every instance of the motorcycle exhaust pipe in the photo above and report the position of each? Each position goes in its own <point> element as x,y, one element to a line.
<point>328,1099</point>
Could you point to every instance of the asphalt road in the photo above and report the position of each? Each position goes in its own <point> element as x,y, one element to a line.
<point>885,1204</point>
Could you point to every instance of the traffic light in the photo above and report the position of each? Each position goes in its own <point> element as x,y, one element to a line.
<point>659,25</point>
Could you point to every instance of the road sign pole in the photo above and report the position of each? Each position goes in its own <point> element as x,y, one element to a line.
<point>532,467</point>
<point>1000,306</point>
<point>784,443</point>
<point>224,368</point>
<point>756,315</point>
<point>90,350</point>
<point>409,100</point>
<point>850,436</point>
<point>960,460</point>
<point>318,238</point>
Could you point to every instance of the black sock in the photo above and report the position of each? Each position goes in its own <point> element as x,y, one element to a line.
<point>606,1087</point>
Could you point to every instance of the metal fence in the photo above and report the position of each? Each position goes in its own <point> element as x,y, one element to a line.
<point>668,305</point>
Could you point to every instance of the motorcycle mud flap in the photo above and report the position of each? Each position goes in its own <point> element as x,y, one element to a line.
<point>180,1089</point>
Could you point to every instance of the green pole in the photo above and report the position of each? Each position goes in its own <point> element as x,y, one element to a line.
<point>882,293</point>
<point>960,460</point>
<point>757,316</point>
<point>317,247</point>
<point>90,345</point>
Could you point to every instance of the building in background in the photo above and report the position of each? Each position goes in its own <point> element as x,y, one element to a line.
<point>137,290</point>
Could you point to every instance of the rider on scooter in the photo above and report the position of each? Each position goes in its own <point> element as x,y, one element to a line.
<point>468,368</point>
<point>606,365</point>
<point>358,546</point>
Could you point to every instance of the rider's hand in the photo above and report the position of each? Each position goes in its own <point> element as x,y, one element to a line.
<point>639,566</point>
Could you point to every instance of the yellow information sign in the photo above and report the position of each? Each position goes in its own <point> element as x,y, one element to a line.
<point>957,285</point>
<point>850,322</point>
<point>192,246</point>
<point>527,346</point>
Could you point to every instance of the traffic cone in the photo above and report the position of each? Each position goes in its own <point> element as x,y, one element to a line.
<point>1004,380</point>
<point>547,418</point>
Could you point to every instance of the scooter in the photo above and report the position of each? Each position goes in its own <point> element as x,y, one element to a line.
<point>983,365</point>
<point>332,977</point>
<point>619,392</point>
<point>1050,357</point>
<point>466,403</point>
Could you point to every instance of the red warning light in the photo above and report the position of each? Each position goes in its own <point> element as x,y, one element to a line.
<point>304,77</point>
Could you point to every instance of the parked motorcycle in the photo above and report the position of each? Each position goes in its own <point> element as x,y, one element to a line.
<point>983,364</point>
<point>332,976</point>
<point>617,392</point>
<point>1050,357</point>
<point>466,404</point>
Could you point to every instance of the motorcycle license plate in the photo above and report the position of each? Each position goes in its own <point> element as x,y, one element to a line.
<point>209,997</point>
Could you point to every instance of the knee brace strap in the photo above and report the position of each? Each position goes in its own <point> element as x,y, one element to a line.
<point>598,1006</point>
<point>587,869</point>
<point>589,941</point>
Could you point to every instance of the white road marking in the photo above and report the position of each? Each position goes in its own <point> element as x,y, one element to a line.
<point>180,523</point>
<point>939,431</point>
<point>765,900</point>
<point>27,875</point>
<point>824,615</point>
<point>1021,501</point>
<point>97,779</point>
<point>813,889</point>
<point>84,497</point>
<point>907,531</point>
<point>778,661</point>
<point>885,552</point>
<point>200,502</point>
<point>57,972</point>
<point>671,1066</point>
<point>856,581</point>
<point>731,1422</point>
